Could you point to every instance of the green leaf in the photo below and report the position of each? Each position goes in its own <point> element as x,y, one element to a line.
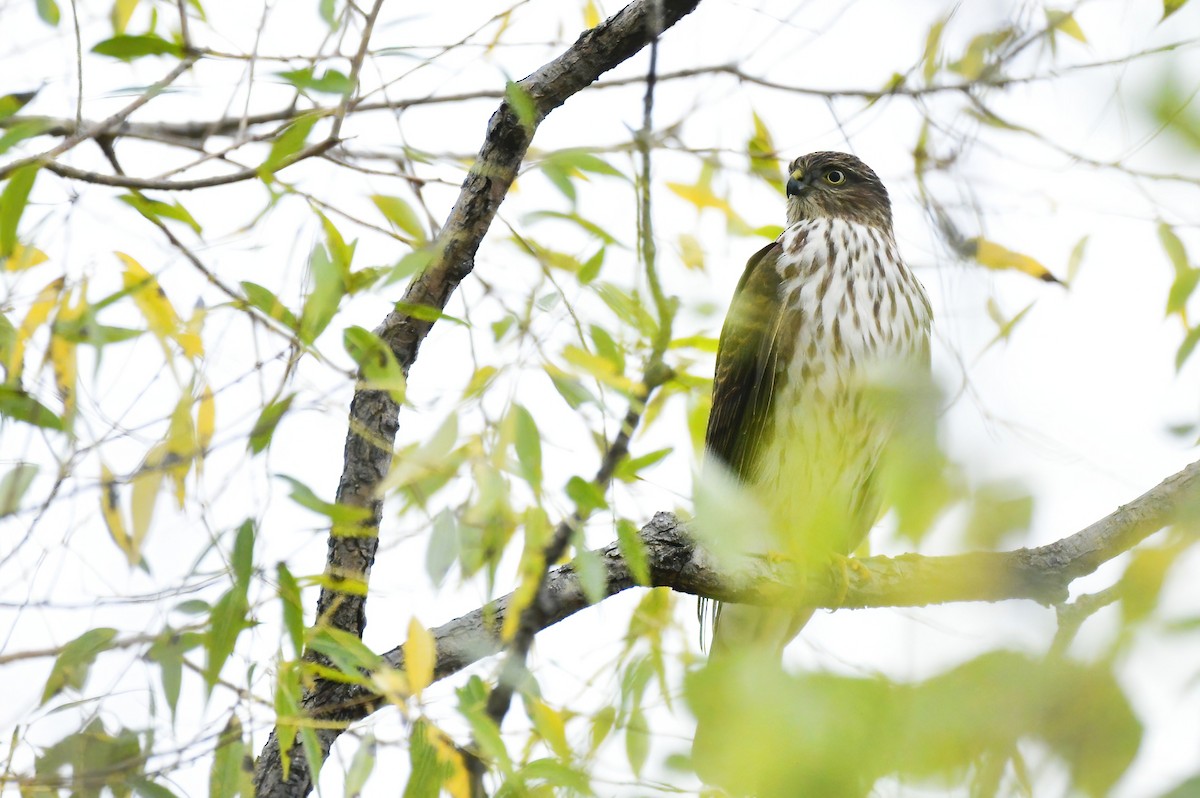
<point>426,313</point>
<point>12,204</point>
<point>168,650</point>
<point>226,622</point>
<point>48,11</point>
<point>330,82</point>
<point>21,131</point>
<point>586,495</point>
<point>11,103</point>
<point>574,218</point>
<point>157,211</point>
<point>376,362</point>
<point>261,298</point>
<point>72,664</point>
<point>360,768</point>
<point>293,609</point>
<point>402,216</point>
<point>443,549</point>
<point>529,447</point>
<point>522,105</point>
<point>13,486</point>
<point>268,419</point>
<point>129,48</point>
<point>590,269</point>
<point>349,653</point>
<point>637,740</point>
<point>633,549</point>
<point>1171,6</point>
<point>18,405</point>
<point>1187,347</point>
<point>243,555</point>
<point>228,776</point>
<point>328,11</point>
<point>289,142</point>
<point>321,304</point>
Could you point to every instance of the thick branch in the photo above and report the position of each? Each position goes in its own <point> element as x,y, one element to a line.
<point>1042,574</point>
<point>373,414</point>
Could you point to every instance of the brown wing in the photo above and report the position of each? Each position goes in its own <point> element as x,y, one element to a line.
<point>751,359</point>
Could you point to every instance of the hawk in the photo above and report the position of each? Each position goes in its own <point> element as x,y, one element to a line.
<point>817,316</point>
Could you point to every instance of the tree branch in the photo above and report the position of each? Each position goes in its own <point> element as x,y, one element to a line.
<point>1042,574</point>
<point>374,414</point>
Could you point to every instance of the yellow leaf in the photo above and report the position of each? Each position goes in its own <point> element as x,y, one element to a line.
<point>551,725</point>
<point>1065,21</point>
<point>62,351</point>
<point>39,311</point>
<point>994,256</point>
<point>180,445</point>
<point>456,781</point>
<point>420,656</point>
<point>591,14</point>
<point>24,257</point>
<point>206,420</point>
<point>146,484</point>
<point>160,315</point>
<point>122,10</point>
<point>111,510</point>
<point>393,685</point>
<point>189,340</point>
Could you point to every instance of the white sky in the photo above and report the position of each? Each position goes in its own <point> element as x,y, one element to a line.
<point>1075,407</point>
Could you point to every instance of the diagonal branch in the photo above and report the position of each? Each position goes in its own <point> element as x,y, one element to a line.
<point>373,419</point>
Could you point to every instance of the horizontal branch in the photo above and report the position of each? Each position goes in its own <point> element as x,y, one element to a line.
<point>676,561</point>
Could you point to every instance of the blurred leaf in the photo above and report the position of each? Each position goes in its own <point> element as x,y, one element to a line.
<point>328,11</point>
<point>420,656</point>
<point>226,622</point>
<point>12,205</point>
<point>528,444</point>
<point>933,45</point>
<point>72,664</point>
<point>402,216</point>
<point>1143,580</point>
<point>591,14</point>
<point>20,406</point>
<point>856,730</point>
<point>637,740</point>
<point>114,520</point>
<point>11,103</point>
<point>570,388</point>
<point>593,577</point>
<point>13,485</point>
<point>1187,347</point>
<point>48,11</point>
<point>1065,22</point>
<point>994,256</point>
<point>262,299</point>
<point>1172,105</point>
<point>156,210</point>
<point>376,362</point>
<point>330,82</point>
<point>998,510</point>
<point>690,252</point>
<point>629,469</point>
<point>629,540</point>
<point>1171,6</point>
<point>354,660</point>
<point>268,420</point>
<point>21,131</point>
<point>290,140</point>
<point>360,768</point>
<point>590,269</point>
<point>521,104</point>
<point>586,495</point>
<point>764,158</point>
<point>122,10</point>
<point>584,224</point>
<point>228,776</point>
<point>129,48</point>
<point>293,609</point>
<point>321,303</point>
<point>443,549</point>
<point>426,313</point>
<point>1076,259</point>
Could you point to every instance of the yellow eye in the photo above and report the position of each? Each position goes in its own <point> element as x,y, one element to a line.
<point>835,177</point>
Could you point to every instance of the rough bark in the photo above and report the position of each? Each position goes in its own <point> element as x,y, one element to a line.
<point>373,419</point>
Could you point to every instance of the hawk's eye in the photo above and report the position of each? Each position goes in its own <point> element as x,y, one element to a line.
<point>835,177</point>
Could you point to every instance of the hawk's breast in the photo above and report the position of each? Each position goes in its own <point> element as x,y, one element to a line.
<point>854,312</point>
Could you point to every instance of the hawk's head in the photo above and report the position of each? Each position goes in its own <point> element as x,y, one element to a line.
<point>837,186</point>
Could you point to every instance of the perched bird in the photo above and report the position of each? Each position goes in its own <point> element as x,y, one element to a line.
<point>818,316</point>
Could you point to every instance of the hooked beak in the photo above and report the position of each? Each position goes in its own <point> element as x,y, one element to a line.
<point>795,187</point>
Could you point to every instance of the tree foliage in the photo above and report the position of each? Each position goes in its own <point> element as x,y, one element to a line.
<point>222,227</point>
